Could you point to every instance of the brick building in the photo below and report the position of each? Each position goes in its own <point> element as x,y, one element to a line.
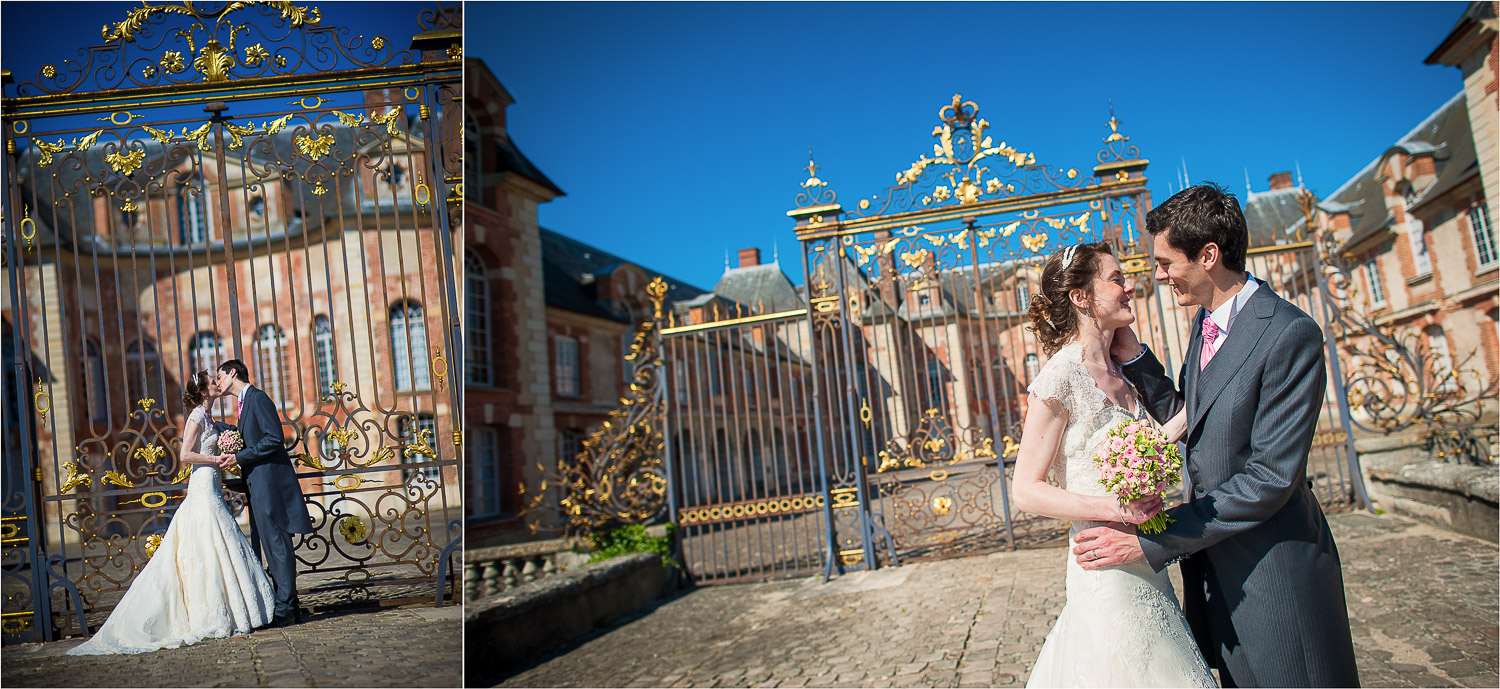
<point>549,320</point>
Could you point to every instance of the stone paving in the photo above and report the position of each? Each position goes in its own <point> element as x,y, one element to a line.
<point>1422,602</point>
<point>403,647</point>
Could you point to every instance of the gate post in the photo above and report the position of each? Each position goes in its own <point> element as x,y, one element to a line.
<point>846,499</point>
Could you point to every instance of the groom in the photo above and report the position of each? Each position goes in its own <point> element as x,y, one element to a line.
<point>276,507</point>
<point>1263,588</point>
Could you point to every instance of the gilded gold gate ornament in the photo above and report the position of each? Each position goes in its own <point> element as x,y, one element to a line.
<point>314,148</point>
<point>352,528</point>
<point>75,477</point>
<point>126,163</point>
<point>157,134</point>
<point>152,543</point>
<point>114,477</point>
<point>151,454</point>
<point>942,504</point>
<point>172,63</point>
<point>42,401</point>
<point>256,54</point>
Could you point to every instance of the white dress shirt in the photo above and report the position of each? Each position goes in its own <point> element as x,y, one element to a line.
<point>1223,316</point>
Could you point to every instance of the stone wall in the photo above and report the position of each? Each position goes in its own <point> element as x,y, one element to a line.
<point>1404,479</point>
<point>503,633</point>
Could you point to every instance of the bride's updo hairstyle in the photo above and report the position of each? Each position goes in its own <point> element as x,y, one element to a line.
<point>1053,318</point>
<point>194,388</point>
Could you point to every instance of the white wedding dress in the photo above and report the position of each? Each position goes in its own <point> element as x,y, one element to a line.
<point>1120,626</point>
<point>203,582</point>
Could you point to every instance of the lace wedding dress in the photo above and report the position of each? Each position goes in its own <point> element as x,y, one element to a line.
<point>204,581</point>
<point>1120,626</point>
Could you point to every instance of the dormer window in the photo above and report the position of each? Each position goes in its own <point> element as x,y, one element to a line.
<point>1410,195</point>
<point>397,174</point>
<point>258,207</point>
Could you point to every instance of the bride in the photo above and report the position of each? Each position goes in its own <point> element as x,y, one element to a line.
<point>1120,627</point>
<point>204,581</point>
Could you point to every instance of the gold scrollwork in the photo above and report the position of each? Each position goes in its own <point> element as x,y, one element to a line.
<point>151,454</point>
<point>942,504</point>
<point>317,102</point>
<point>214,61</point>
<point>389,119</point>
<point>42,401</point>
<point>412,93</point>
<point>150,500</point>
<point>128,206</point>
<point>938,475</point>
<point>352,528</point>
<point>48,150</point>
<point>183,474</point>
<point>310,461</point>
<point>844,497</point>
<point>157,134</point>
<point>458,438</point>
<point>49,70</point>
<point>440,368</point>
<point>421,446</point>
<point>357,576</point>
<point>126,163</point>
<point>423,193</point>
<point>342,436</point>
<point>378,42</point>
<point>116,478</point>
<point>319,190</point>
<point>152,543</point>
<point>314,148</point>
<point>347,119</point>
<point>276,125</point>
<point>172,62</point>
<point>113,118</point>
<point>337,387</point>
<point>237,134</point>
<point>455,51</point>
<point>852,557</point>
<point>146,404</point>
<point>256,54</point>
<point>864,411</point>
<point>350,481</point>
<point>200,135</point>
<point>1010,447</point>
<point>75,477</point>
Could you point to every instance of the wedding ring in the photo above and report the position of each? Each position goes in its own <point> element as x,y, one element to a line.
<point>1095,553</point>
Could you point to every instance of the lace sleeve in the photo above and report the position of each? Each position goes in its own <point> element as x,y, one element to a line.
<point>1052,383</point>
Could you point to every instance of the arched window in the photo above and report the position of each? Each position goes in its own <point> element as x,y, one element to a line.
<point>936,384</point>
<point>1033,365</point>
<point>409,346</point>
<point>323,352</point>
<point>94,391</point>
<point>1437,341</point>
<point>270,363</point>
<point>483,462</point>
<point>205,351</point>
<point>143,370</point>
<point>479,370</point>
<point>192,223</point>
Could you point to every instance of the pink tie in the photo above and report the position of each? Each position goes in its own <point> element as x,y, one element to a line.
<point>1210,333</point>
<point>241,408</point>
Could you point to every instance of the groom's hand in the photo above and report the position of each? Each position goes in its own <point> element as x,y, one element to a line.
<point>1125,346</point>
<point>227,462</point>
<point>1107,546</point>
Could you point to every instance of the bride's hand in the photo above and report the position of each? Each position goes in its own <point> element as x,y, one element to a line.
<point>1175,427</point>
<point>1138,511</point>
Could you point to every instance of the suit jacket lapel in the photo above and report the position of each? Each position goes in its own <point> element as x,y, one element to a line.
<point>1190,365</point>
<point>1237,348</point>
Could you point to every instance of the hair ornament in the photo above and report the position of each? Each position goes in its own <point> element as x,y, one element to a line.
<point>1068,254</point>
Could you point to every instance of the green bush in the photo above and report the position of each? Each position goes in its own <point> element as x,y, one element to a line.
<point>632,538</point>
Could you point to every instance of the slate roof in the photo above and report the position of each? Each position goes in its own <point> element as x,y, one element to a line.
<point>764,288</point>
<point>570,266</point>
<point>1446,133</point>
<point>1269,215</point>
<point>512,160</point>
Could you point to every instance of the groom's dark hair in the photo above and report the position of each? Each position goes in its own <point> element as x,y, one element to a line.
<point>236,368</point>
<point>1201,214</point>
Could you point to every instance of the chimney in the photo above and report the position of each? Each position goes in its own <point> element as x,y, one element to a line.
<point>1281,180</point>
<point>749,257</point>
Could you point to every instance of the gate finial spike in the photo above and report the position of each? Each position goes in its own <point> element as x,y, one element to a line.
<point>1299,172</point>
<point>1248,191</point>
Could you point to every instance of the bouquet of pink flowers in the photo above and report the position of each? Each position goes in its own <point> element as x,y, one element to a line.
<point>231,441</point>
<point>1135,462</point>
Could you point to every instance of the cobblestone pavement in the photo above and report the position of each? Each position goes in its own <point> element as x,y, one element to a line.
<point>404,647</point>
<point>1422,602</point>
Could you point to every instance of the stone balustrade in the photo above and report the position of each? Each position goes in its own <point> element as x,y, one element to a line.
<point>491,570</point>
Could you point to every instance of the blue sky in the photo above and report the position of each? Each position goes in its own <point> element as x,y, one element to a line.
<point>680,130</point>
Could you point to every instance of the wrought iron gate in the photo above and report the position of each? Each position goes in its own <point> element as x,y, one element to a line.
<point>879,422</point>
<point>231,180</point>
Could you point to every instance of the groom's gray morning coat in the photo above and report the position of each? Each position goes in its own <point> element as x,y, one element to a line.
<point>270,478</point>
<point>1264,592</point>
